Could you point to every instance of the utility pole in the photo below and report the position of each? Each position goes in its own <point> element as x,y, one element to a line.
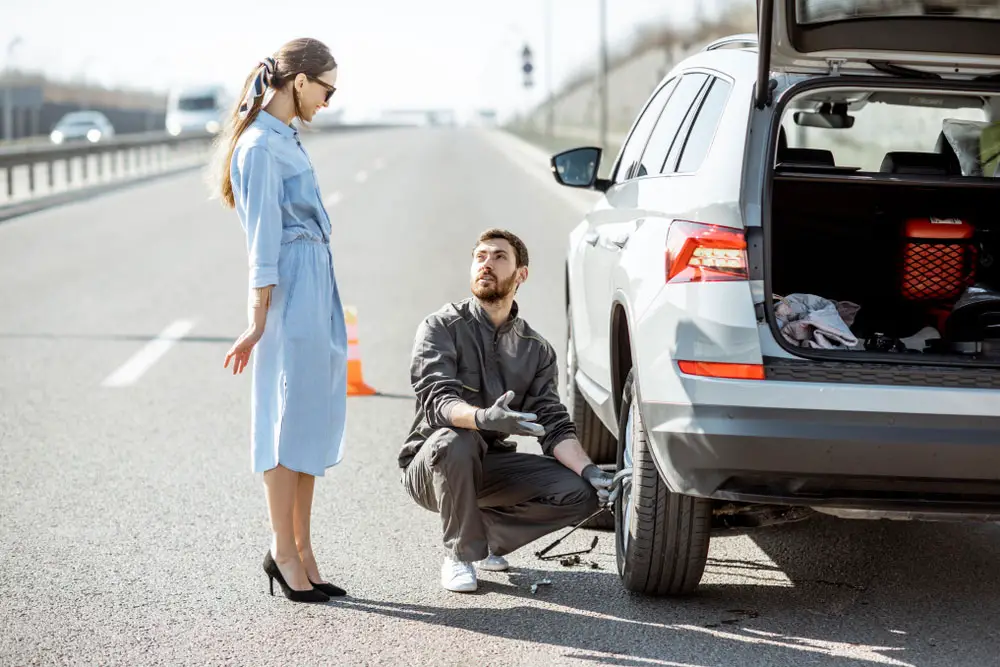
<point>8,120</point>
<point>528,69</point>
<point>602,76</point>
<point>550,103</point>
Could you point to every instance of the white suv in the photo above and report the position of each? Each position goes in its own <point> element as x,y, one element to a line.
<point>787,295</point>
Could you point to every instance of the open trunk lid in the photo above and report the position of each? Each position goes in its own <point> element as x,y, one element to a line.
<point>922,38</point>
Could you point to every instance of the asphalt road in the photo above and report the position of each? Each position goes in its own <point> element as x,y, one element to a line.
<point>132,530</point>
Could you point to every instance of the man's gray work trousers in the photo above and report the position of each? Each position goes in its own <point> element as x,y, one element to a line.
<point>492,500</point>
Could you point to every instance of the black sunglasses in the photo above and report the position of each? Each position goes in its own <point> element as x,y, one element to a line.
<point>330,90</point>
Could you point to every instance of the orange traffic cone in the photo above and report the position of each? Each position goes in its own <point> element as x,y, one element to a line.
<point>355,384</point>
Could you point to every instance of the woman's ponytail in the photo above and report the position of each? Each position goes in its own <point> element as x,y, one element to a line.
<point>257,84</point>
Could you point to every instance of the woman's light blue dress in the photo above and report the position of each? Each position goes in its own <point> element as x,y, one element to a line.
<point>299,369</point>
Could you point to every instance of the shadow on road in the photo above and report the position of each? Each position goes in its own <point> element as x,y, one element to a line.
<point>644,637</point>
<point>834,593</point>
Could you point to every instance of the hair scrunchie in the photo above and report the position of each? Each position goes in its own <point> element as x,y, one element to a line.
<point>261,82</point>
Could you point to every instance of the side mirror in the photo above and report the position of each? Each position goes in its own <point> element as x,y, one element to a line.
<point>577,168</point>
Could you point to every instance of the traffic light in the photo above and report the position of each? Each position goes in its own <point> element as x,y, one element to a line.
<point>527,67</point>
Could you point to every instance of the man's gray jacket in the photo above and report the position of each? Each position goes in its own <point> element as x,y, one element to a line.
<point>460,356</point>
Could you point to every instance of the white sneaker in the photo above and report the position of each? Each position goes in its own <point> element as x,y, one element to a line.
<point>458,576</point>
<point>494,564</point>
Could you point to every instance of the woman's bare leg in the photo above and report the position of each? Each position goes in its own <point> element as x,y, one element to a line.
<point>281,485</point>
<point>303,539</point>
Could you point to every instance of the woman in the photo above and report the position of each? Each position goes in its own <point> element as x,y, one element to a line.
<point>299,394</point>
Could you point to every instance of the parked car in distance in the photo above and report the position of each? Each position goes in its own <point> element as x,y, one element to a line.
<point>92,126</point>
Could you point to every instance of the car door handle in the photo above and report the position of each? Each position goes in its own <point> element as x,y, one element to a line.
<point>591,237</point>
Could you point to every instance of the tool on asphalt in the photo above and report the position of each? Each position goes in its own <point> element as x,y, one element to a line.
<point>355,383</point>
<point>543,582</point>
<point>622,480</point>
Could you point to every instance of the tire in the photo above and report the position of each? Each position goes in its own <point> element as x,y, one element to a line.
<point>599,443</point>
<point>661,537</point>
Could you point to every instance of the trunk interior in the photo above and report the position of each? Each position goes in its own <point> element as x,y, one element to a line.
<point>846,239</point>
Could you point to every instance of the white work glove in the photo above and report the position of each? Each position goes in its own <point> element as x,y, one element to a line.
<point>600,480</point>
<point>500,418</point>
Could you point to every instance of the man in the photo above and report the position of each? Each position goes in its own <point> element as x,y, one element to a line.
<point>482,374</point>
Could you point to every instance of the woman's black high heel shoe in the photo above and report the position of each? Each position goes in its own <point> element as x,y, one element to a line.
<point>272,571</point>
<point>329,589</point>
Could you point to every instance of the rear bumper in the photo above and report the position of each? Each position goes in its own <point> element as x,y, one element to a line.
<point>832,458</point>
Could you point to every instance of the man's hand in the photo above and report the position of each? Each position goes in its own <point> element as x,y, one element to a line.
<point>600,480</point>
<point>498,417</point>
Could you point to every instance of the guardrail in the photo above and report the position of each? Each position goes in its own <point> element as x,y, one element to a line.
<point>33,170</point>
<point>118,157</point>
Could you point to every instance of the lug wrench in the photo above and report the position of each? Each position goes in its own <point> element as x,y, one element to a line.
<point>617,484</point>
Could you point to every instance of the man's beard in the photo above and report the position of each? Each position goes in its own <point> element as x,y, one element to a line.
<point>496,291</point>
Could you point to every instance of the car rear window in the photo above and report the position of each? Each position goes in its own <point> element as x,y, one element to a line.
<point>821,11</point>
<point>959,127</point>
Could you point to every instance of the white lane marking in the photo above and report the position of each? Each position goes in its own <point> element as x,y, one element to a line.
<point>333,199</point>
<point>361,177</point>
<point>379,163</point>
<point>143,360</point>
<point>535,161</point>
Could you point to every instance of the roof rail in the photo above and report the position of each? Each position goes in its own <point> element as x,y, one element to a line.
<point>740,41</point>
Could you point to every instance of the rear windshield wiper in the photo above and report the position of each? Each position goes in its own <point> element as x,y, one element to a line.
<point>899,70</point>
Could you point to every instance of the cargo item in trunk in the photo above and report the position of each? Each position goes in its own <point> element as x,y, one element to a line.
<point>939,259</point>
<point>811,321</point>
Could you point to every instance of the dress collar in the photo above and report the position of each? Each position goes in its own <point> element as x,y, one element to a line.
<point>271,122</point>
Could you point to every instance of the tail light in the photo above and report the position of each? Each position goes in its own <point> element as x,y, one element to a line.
<point>698,252</point>
<point>714,369</point>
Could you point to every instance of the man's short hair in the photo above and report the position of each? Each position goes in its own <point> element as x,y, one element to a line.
<point>520,250</point>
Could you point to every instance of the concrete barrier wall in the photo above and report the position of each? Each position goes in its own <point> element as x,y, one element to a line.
<point>577,112</point>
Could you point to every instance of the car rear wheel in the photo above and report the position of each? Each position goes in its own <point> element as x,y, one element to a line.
<point>599,444</point>
<point>661,537</point>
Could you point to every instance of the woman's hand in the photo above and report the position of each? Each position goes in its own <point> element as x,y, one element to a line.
<point>260,301</point>
<point>239,353</point>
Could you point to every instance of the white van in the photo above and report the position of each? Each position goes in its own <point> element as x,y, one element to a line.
<point>196,109</point>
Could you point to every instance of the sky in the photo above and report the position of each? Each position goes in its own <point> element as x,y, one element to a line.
<point>460,54</point>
